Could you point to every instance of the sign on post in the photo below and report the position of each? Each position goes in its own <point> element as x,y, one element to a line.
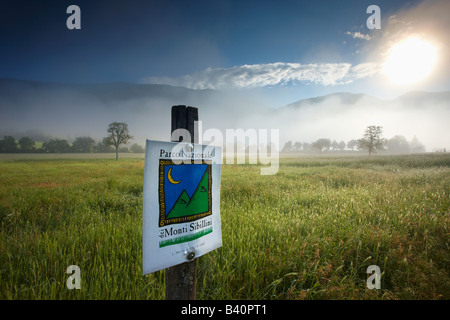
<point>181,218</point>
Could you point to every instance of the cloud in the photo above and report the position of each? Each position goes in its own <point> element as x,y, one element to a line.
<point>359,35</point>
<point>270,74</point>
<point>364,70</point>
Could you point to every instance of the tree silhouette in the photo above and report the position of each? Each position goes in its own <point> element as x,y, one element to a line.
<point>8,145</point>
<point>56,146</point>
<point>83,144</point>
<point>26,144</point>
<point>352,144</point>
<point>117,134</point>
<point>322,144</point>
<point>372,140</point>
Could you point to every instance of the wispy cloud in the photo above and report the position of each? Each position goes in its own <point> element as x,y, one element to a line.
<point>358,35</point>
<point>270,74</point>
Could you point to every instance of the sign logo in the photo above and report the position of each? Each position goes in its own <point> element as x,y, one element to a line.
<point>184,192</point>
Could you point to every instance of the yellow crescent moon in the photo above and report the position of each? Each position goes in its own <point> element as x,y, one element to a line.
<point>169,176</point>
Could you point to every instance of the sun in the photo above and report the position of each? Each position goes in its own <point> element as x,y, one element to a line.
<point>410,61</point>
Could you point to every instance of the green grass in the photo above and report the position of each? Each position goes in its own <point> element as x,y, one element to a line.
<point>309,232</point>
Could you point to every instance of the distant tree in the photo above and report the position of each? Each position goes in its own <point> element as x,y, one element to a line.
<point>124,149</point>
<point>102,148</point>
<point>397,144</point>
<point>307,146</point>
<point>26,145</point>
<point>335,145</point>
<point>322,144</point>
<point>341,145</point>
<point>416,146</point>
<point>297,147</point>
<point>135,148</point>
<point>352,144</point>
<point>287,147</point>
<point>117,134</point>
<point>83,145</point>
<point>56,146</point>
<point>372,140</point>
<point>8,145</point>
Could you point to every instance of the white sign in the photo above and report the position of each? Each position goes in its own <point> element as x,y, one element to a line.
<point>181,218</point>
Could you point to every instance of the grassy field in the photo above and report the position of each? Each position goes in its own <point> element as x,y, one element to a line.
<point>309,232</point>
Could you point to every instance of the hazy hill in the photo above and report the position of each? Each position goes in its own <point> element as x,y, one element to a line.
<point>68,110</point>
<point>343,98</point>
<point>421,114</point>
<point>423,99</point>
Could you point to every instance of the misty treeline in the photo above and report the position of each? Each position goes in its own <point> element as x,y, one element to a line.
<point>396,145</point>
<point>80,145</point>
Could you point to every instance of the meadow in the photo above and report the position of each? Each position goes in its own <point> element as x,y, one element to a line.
<point>309,232</point>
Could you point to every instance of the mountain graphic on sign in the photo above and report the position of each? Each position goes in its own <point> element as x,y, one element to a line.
<point>198,203</point>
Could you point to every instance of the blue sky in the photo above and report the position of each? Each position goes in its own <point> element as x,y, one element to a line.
<point>280,50</point>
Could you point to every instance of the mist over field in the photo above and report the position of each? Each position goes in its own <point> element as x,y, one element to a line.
<point>47,110</point>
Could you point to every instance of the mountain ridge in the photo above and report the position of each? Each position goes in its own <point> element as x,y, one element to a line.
<point>69,110</point>
<point>139,90</point>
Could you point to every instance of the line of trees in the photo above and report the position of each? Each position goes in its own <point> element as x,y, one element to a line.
<point>320,145</point>
<point>371,142</point>
<point>80,145</point>
<point>117,135</point>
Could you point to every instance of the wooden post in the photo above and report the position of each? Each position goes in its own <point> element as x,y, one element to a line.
<point>181,280</point>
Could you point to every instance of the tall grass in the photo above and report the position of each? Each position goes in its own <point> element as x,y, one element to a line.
<point>309,232</point>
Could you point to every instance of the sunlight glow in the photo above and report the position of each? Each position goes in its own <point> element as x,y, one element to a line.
<point>410,61</point>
